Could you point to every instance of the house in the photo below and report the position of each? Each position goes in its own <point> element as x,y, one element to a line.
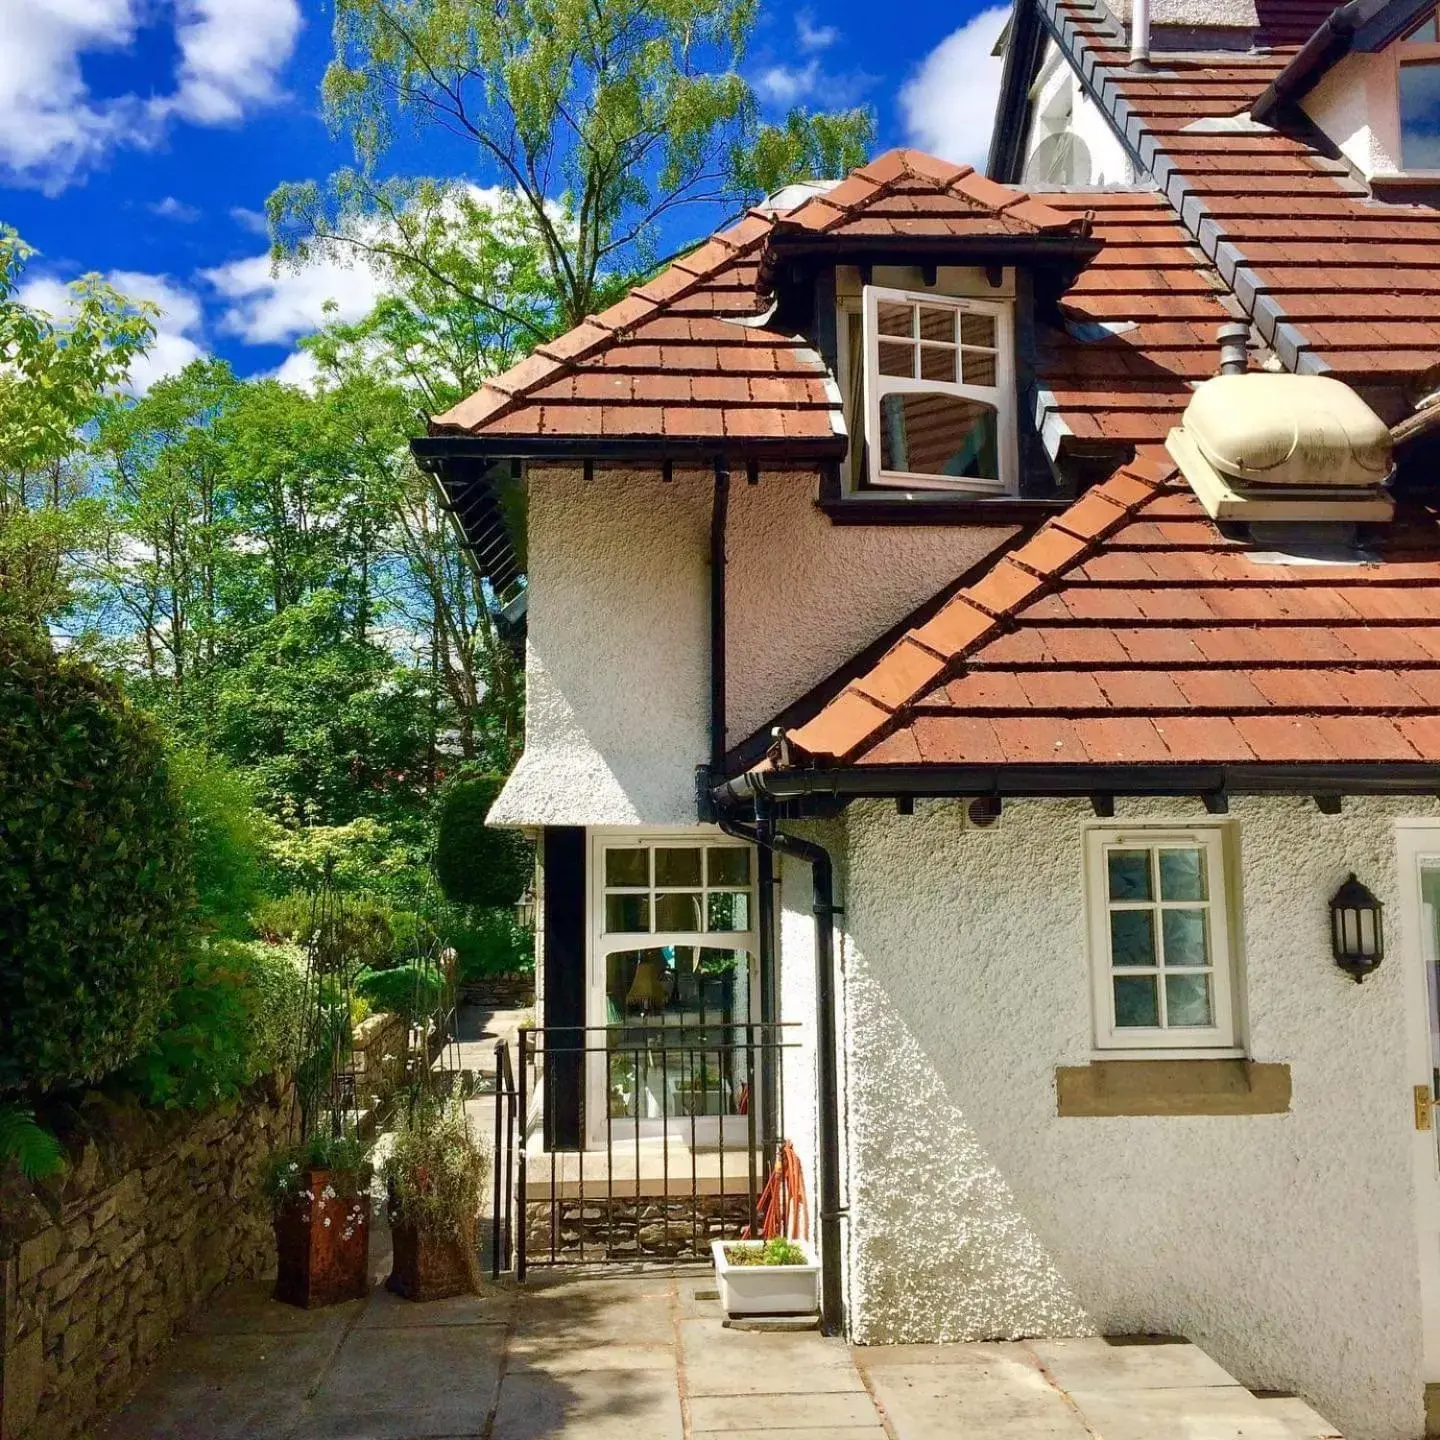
<point>985,632</point>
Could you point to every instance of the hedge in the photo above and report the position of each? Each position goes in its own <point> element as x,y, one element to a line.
<point>478,865</point>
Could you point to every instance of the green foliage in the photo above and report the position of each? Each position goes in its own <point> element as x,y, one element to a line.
<point>435,1173</point>
<point>490,942</point>
<point>29,1144</point>
<point>231,1020</point>
<point>343,1156</point>
<point>600,120</point>
<point>96,894</point>
<point>227,836</point>
<point>376,934</point>
<point>778,1251</point>
<point>412,990</point>
<point>478,865</point>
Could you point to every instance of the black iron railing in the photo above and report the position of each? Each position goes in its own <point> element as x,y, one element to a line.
<point>633,1142</point>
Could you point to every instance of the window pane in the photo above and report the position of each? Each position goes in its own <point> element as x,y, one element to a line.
<point>1182,875</point>
<point>937,323</point>
<point>627,867</point>
<point>1185,941</point>
<point>896,358</point>
<point>1425,32</point>
<point>1420,116</point>
<point>937,363</point>
<point>1187,1001</point>
<point>1132,938</point>
<point>1129,874</point>
<point>729,910</point>
<point>677,912</point>
<point>893,319</point>
<point>677,867</point>
<point>941,435</point>
<point>1136,1002</point>
<point>978,330</point>
<point>626,914</point>
<point>729,867</point>
<point>977,367</point>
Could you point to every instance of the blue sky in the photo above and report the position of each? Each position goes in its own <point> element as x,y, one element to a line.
<point>139,138</point>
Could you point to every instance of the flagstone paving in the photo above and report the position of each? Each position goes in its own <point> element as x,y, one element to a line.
<point>646,1356</point>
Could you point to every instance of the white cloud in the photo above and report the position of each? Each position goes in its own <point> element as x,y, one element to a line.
<point>299,369</point>
<point>252,220</point>
<point>53,128</point>
<point>177,328</point>
<point>787,84</point>
<point>812,36</point>
<point>172,209</point>
<point>948,104</point>
<point>266,307</point>
<point>231,52</point>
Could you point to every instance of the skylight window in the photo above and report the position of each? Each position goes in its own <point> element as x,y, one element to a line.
<point>939,392</point>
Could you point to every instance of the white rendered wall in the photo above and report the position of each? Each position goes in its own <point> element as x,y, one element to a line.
<point>1284,1245</point>
<point>1062,104</point>
<point>618,654</point>
<point>1355,105</point>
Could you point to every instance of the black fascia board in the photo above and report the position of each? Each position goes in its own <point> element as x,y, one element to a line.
<point>1023,54</point>
<point>1359,27</point>
<point>1075,251</point>
<point>1069,781</point>
<point>434,451</point>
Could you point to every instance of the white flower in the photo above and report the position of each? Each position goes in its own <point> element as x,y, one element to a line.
<point>327,1222</point>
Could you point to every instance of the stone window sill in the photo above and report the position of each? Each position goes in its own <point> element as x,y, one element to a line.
<point>1227,1086</point>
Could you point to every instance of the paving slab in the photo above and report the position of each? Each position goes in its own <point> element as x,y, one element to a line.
<point>227,1387</point>
<point>969,1353</point>
<point>387,1311</point>
<point>407,1383</point>
<point>248,1309</point>
<point>589,1405</point>
<point>1128,1364</point>
<point>591,1312</point>
<point>743,1414</point>
<point>1208,1413</point>
<point>720,1361</point>
<point>529,1352</point>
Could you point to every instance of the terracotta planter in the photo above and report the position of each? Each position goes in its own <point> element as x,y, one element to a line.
<point>427,1268</point>
<point>322,1238</point>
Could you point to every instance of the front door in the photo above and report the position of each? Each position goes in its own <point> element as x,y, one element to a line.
<point>1420,888</point>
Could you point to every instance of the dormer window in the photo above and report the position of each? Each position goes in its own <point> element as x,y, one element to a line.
<point>939,392</point>
<point>1418,57</point>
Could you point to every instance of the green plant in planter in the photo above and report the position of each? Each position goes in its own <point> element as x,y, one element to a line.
<point>345,1157</point>
<point>778,1251</point>
<point>434,1176</point>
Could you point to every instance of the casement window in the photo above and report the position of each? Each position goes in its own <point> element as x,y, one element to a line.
<point>673,950</point>
<point>1160,945</point>
<point>1417,56</point>
<point>939,392</point>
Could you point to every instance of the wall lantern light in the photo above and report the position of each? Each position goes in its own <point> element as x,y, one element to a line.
<point>1357,932</point>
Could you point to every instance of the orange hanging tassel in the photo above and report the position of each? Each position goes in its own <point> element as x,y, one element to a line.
<point>782,1205</point>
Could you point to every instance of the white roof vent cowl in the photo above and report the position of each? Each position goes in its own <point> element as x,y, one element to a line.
<point>1264,447</point>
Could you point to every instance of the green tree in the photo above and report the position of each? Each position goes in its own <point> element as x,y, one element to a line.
<point>601,118</point>
<point>54,374</point>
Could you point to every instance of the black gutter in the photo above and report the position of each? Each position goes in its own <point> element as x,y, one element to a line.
<point>1039,781</point>
<point>822,882</point>
<point>430,449</point>
<point>719,513</point>
<point>1330,44</point>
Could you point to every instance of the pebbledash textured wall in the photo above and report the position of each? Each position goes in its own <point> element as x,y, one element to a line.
<point>1283,1244</point>
<point>618,650</point>
<point>157,1212</point>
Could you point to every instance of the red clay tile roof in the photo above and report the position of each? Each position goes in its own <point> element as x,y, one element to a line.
<point>1129,630</point>
<point>687,356</point>
<point>1337,282</point>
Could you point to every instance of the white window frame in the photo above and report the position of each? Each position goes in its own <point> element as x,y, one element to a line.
<point>1001,395</point>
<point>1223,1038</point>
<point>600,944</point>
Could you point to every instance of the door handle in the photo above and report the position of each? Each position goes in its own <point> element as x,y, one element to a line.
<point>1424,1108</point>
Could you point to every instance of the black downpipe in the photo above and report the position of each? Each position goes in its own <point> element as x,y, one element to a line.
<point>822,880</point>
<point>718,517</point>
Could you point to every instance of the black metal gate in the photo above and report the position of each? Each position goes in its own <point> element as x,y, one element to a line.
<point>679,1125</point>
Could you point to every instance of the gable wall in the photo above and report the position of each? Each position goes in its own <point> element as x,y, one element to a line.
<point>1282,1244</point>
<point>617,662</point>
<point>1355,105</point>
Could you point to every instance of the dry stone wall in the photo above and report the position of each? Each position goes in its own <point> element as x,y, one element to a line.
<point>97,1272</point>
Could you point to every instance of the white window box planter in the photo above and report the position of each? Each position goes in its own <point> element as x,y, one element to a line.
<point>767,1289</point>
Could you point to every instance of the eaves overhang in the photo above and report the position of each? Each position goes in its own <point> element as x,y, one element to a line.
<point>937,782</point>
<point>434,450</point>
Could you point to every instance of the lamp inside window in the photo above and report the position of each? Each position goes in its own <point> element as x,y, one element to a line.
<point>939,393</point>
